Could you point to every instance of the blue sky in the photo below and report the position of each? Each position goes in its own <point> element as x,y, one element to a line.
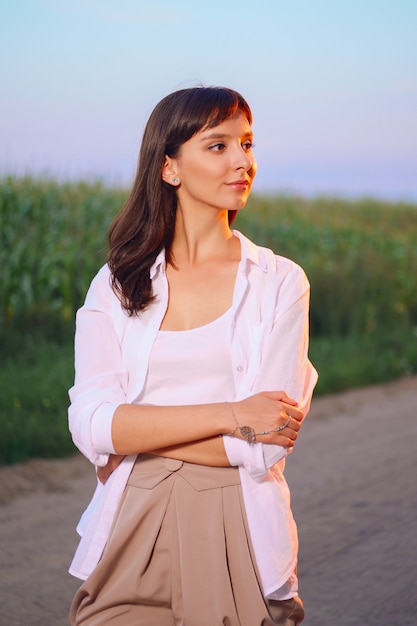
<point>332,85</point>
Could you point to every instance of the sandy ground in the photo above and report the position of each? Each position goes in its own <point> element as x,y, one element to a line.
<point>354,487</point>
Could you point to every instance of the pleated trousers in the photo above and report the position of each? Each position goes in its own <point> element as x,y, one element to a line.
<point>179,554</point>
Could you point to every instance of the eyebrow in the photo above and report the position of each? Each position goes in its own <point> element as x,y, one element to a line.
<point>225,136</point>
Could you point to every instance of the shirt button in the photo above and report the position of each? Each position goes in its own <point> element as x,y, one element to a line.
<point>239,368</point>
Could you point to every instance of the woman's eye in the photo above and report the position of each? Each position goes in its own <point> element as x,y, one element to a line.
<point>248,145</point>
<point>217,147</point>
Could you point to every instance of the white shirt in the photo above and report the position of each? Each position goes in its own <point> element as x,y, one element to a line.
<point>268,343</point>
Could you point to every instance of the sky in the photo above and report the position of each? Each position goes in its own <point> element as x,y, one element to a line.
<point>332,85</point>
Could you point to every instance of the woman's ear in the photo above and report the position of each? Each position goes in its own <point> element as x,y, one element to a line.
<point>169,172</point>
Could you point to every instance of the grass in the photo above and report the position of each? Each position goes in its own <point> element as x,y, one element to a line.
<point>351,362</point>
<point>360,257</point>
<point>36,372</point>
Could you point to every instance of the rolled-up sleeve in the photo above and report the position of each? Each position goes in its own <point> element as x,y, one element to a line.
<point>100,373</point>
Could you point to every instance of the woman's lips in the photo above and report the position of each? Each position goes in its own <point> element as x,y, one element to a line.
<point>241,185</point>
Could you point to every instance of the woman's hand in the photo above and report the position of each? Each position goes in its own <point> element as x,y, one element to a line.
<point>273,417</point>
<point>103,473</point>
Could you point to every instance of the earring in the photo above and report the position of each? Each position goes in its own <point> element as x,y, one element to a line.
<point>175,180</point>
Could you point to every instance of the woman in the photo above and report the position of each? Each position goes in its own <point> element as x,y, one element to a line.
<point>192,379</point>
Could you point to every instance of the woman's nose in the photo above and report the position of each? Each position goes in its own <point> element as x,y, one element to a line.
<point>244,161</point>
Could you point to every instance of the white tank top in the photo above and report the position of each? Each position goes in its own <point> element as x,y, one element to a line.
<point>191,366</point>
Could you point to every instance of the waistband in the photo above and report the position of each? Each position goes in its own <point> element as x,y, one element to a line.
<point>150,470</point>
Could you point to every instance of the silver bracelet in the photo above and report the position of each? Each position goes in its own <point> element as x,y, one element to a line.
<point>247,432</point>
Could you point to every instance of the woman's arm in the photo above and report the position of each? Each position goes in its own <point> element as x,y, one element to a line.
<point>211,451</point>
<point>143,428</point>
<point>206,452</point>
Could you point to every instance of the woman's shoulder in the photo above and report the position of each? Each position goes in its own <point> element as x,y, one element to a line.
<point>289,276</point>
<point>268,259</point>
<point>104,273</point>
<point>102,279</point>
<point>100,289</point>
<point>285,264</point>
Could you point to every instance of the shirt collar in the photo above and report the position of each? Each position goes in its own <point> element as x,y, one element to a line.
<point>251,253</point>
<point>158,264</point>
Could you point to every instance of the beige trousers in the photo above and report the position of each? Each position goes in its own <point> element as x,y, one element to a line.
<point>179,554</point>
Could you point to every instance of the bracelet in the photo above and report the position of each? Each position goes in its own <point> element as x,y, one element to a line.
<point>247,432</point>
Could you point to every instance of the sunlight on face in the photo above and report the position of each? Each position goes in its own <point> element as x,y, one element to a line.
<point>216,167</point>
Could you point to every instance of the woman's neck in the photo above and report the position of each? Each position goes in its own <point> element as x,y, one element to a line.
<point>203,240</point>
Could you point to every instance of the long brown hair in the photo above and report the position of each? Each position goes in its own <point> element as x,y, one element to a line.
<point>145,224</point>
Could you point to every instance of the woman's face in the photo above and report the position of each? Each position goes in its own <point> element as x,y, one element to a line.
<point>216,167</point>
